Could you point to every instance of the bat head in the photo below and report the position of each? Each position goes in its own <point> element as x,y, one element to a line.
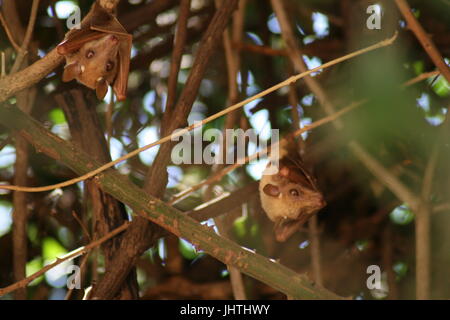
<point>94,64</point>
<point>289,199</point>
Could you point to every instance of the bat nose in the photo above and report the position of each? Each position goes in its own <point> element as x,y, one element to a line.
<point>113,39</point>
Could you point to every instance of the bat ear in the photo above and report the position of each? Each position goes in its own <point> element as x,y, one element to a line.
<point>271,190</point>
<point>62,48</point>
<point>101,88</point>
<point>71,71</point>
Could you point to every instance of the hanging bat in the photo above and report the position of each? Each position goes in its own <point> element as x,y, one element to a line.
<point>290,196</point>
<point>98,54</point>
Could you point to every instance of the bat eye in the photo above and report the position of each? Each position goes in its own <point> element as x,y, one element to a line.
<point>294,192</point>
<point>90,54</point>
<point>109,66</point>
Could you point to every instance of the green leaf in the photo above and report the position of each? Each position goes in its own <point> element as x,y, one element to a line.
<point>32,267</point>
<point>33,234</point>
<point>402,215</point>
<point>441,87</point>
<point>418,67</point>
<point>187,250</point>
<point>240,226</point>
<point>51,249</point>
<point>57,116</point>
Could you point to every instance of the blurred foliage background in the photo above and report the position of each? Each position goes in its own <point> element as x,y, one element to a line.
<point>363,224</point>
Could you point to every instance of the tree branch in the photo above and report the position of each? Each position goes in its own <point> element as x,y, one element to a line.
<point>423,38</point>
<point>145,205</point>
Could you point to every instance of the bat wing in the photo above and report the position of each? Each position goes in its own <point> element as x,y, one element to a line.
<point>97,23</point>
<point>293,171</point>
<point>112,25</point>
<point>76,40</point>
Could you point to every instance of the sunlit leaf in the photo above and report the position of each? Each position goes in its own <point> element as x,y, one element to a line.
<point>51,249</point>
<point>187,250</point>
<point>418,67</point>
<point>441,87</point>
<point>32,267</point>
<point>57,116</point>
<point>239,226</point>
<point>402,215</point>
<point>5,217</point>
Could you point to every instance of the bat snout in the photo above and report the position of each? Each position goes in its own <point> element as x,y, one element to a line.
<point>113,39</point>
<point>322,203</point>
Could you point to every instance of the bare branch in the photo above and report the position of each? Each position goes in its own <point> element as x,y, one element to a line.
<point>423,38</point>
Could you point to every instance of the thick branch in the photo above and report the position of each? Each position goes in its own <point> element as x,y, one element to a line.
<point>141,234</point>
<point>255,265</point>
<point>29,76</point>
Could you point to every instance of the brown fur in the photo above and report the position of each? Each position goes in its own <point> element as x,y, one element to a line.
<point>290,196</point>
<point>98,54</point>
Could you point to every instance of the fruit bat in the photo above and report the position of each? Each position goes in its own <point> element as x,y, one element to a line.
<point>289,195</point>
<point>98,54</point>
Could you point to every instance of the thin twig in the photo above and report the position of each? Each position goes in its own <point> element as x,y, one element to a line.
<point>423,38</point>
<point>25,102</point>
<point>84,260</point>
<point>220,174</point>
<point>314,234</point>
<point>441,207</point>
<point>233,65</point>
<point>374,166</point>
<point>181,132</point>
<point>70,256</point>
<point>156,177</point>
<point>8,33</point>
<point>260,49</point>
<point>421,77</point>
<point>274,274</point>
<point>183,194</point>
<point>26,41</point>
<point>2,64</point>
<point>295,55</point>
<point>82,225</point>
<point>423,224</point>
<point>385,176</point>
<point>177,54</point>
